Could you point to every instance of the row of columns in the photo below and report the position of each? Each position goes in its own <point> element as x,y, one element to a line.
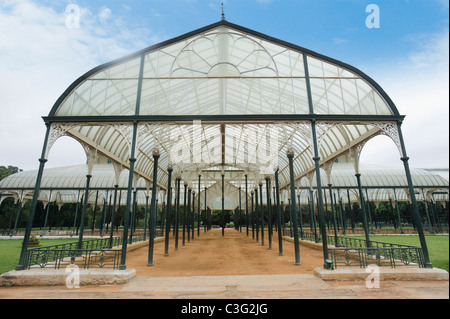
<point>290,155</point>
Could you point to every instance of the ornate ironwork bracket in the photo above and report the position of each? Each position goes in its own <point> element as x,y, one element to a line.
<point>57,131</point>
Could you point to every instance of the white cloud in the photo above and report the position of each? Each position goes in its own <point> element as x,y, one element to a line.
<point>419,86</point>
<point>339,41</point>
<point>105,15</point>
<point>39,58</point>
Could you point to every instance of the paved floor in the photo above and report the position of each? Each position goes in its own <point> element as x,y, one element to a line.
<point>302,286</point>
<point>190,280</point>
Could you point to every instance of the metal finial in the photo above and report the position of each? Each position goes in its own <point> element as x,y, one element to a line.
<point>223,13</point>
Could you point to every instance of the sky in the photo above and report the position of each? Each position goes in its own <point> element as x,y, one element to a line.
<point>43,50</point>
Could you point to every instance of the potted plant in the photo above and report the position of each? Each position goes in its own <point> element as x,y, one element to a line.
<point>33,241</point>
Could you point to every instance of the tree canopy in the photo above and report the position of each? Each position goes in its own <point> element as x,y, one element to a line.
<point>6,171</point>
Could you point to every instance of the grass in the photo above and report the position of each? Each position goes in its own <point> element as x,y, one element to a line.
<point>10,251</point>
<point>438,246</point>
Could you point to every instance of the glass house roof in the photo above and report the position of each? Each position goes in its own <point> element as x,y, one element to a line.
<point>223,69</point>
<point>380,182</point>
<point>222,100</point>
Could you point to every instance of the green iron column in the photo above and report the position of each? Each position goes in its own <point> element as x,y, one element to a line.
<point>313,215</point>
<point>246,204</point>
<point>113,212</point>
<point>133,216</point>
<point>76,214</point>
<point>223,205</point>
<point>178,182</point>
<point>183,241</point>
<point>105,206</point>
<point>262,213</point>
<point>252,217</point>
<point>336,240</point>
<point>152,223</point>
<point>123,257</point>
<point>83,212</point>
<point>37,186</point>
<point>363,207</point>
<point>269,219</point>
<point>146,220</point>
<point>300,214</point>
<point>328,263</point>
<point>19,210</point>
<point>415,210</point>
<point>168,215</point>
<point>398,212</point>
<point>198,206</point>
<point>163,211</point>
<point>427,213</point>
<point>240,204</point>
<point>257,215</point>
<point>280,235</point>
<point>93,212</point>
<point>342,212</point>
<point>206,214</point>
<point>193,215</point>
<point>350,211</point>
<point>189,217</point>
<point>369,212</point>
<point>47,211</point>
<point>290,155</point>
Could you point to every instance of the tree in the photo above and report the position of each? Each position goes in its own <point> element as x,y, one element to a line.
<point>6,171</point>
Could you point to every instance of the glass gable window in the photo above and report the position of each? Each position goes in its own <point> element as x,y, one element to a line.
<point>223,71</point>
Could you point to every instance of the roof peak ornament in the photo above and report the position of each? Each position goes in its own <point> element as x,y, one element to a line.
<point>223,13</point>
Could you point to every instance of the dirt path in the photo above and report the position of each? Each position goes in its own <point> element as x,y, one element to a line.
<point>214,255</point>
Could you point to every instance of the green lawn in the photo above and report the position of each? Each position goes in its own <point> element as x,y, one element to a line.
<point>10,251</point>
<point>438,246</point>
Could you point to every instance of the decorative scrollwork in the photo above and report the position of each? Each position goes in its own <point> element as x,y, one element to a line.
<point>57,131</point>
<point>391,130</point>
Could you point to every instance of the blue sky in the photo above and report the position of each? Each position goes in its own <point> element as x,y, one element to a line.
<point>40,57</point>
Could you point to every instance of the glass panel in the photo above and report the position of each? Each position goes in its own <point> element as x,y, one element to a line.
<point>151,64</point>
<point>350,96</point>
<point>117,72</point>
<point>300,96</point>
<point>97,101</point>
<point>129,95</point>
<point>270,101</point>
<point>286,96</point>
<point>343,73</point>
<point>319,96</point>
<point>132,68</point>
<point>104,74</point>
<point>283,63</point>
<point>296,63</point>
<point>165,62</point>
<point>366,98</point>
<point>113,97</point>
<point>148,97</point>
<point>334,96</point>
<point>330,70</point>
<point>382,107</point>
<point>250,96</point>
<point>81,99</point>
<point>66,107</point>
<point>315,67</point>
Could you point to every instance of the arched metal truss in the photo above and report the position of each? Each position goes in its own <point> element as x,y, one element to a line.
<point>228,104</point>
